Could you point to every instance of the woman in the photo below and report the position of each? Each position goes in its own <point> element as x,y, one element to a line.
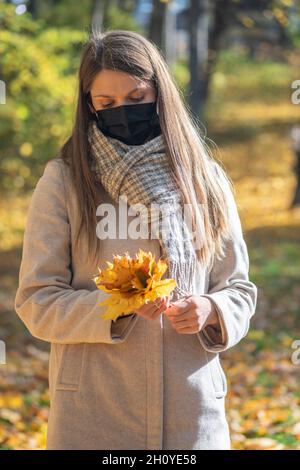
<point>152,379</point>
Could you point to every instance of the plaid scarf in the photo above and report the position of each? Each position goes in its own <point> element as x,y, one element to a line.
<point>142,173</point>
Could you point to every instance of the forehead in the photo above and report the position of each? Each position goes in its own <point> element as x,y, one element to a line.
<point>116,83</point>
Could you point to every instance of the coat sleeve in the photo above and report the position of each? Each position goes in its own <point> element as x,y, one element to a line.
<point>122,326</point>
<point>214,336</point>
<point>230,288</point>
<point>49,306</point>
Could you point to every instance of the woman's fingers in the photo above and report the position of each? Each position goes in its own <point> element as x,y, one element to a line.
<point>155,308</point>
<point>150,305</point>
<point>158,311</point>
<point>152,309</point>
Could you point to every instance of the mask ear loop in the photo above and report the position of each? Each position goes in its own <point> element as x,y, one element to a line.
<point>92,109</point>
<point>96,115</point>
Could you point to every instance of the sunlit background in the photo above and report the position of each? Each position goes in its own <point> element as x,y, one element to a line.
<point>238,65</point>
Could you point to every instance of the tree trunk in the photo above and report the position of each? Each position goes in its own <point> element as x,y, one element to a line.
<point>157,22</point>
<point>198,57</point>
<point>99,15</point>
<point>222,12</point>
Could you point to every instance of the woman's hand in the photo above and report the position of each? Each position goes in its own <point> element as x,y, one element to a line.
<point>192,313</point>
<point>150,311</point>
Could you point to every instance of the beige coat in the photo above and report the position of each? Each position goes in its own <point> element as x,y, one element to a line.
<point>136,383</point>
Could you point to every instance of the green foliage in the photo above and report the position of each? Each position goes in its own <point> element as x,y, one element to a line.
<point>246,77</point>
<point>65,13</point>
<point>119,19</point>
<point>38,67</point>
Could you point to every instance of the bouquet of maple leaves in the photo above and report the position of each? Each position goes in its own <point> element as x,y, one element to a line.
<point>131,282</point>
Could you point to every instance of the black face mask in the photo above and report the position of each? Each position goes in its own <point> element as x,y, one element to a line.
<point>133,124</point>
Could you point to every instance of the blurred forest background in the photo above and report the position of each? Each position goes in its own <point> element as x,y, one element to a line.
<point>237,63</point>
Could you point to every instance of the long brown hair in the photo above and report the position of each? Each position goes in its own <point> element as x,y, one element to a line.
<point>189,156</point>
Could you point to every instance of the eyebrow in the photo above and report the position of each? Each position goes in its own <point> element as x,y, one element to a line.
<point>131,91</point>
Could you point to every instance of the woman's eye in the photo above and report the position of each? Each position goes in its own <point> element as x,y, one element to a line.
<point>137,99</point>
<point>131,99</point>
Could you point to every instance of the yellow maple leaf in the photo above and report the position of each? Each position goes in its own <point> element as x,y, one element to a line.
<point>131,282</point>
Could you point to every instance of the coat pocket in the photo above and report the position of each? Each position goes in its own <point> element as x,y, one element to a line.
<point>71,359</point>
<point>217,374</point>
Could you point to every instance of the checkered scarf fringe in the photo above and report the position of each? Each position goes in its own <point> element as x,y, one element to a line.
<point>142,174</point>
